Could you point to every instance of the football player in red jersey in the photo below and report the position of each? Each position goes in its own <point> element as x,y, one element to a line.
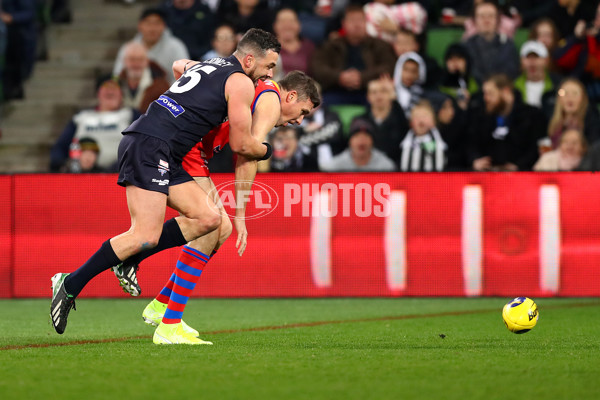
<point>274,104</point>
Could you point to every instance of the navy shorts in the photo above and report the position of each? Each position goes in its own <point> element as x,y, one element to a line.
<point>146,162</point>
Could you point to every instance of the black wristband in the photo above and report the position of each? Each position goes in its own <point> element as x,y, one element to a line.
<point>269,151</point>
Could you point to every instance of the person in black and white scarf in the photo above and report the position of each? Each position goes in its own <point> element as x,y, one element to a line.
<point>423,149</point>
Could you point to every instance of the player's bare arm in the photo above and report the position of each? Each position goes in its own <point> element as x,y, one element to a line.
<point>180,66</point>
<point>239,93</point>
<point>266,115</point>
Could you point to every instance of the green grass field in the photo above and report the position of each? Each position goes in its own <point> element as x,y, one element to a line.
<point>304,349</point>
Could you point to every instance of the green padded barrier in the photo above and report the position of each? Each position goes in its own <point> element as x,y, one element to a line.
<point>347,112</point>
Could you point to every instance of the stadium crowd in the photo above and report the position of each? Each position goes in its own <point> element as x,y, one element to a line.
<point>485,102</point>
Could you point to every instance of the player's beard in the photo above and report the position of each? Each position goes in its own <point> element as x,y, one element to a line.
<point>252,76</point>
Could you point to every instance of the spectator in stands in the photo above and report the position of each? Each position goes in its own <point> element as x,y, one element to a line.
<point>452,125</point>
<point>223,43</point>
<point>83,157</point>
<point>103,124</point>
<point>544,30</point>
<point>572,110</point>
<point>19,16</point>
<point>193,22</point>
<point>385,19</point>
<point>344,65</point>
<point>535,80</point>
<point>386,116</point>
<point>288,154</point>
<point>409,77</point>
<point>507,24</point>
<point>504,133</point>
<point>317,17</point>
<point>491,52</point>
<point>296,51</point>
<point>457,80</point>
<point>246,14</point>
<point>423,149</point>
<point>163,48</point>
<point>142,80</point>
<point>360,154</point>
<point>322,132</point>
<point>406,41</point>
<point>566,14</point>
<point>568,155</point>
<point>580,56</point>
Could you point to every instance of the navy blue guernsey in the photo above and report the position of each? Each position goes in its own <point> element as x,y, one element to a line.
<point>191,107</point>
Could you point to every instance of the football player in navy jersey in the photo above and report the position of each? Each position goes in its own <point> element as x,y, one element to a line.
<point>151,153</point>
<point>275,104</point>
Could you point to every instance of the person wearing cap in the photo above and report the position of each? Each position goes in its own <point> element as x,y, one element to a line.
<point>360,156</point>
<point>535,80</point>
<point>103,123</point>
<point>85,159</point>
<point>163,48</point>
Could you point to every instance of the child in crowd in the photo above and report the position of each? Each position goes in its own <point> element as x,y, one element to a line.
<point>423,149</point>
<point>568,155</point>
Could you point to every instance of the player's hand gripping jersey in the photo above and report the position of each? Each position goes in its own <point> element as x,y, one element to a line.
<point>191,107</point>
<point>195,161</point>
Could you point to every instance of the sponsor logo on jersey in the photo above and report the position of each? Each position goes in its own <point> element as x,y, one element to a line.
<point>163,167</point>
<point>161,182</point>
<point>175,109</point>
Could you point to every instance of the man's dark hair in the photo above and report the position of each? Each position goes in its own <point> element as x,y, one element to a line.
<point>153,11</point>
<point>258,42</point>
<point>303,84</point>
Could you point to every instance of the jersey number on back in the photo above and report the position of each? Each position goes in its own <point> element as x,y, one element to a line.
<point>194,74</point>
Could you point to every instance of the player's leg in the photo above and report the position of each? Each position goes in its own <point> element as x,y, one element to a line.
<point>192,260</point>
<point>204,248</point>
<point>147,210</point>
<point>146,199</point>
<point>199,217</point>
